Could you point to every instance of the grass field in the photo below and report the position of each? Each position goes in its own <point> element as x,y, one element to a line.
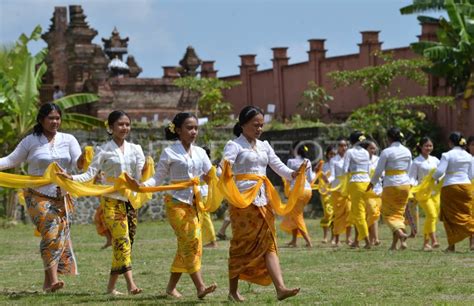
<point>325,275</point>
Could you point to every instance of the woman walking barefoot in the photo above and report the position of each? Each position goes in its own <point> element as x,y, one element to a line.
<point>183,161</point>
<point>395,161</point>
<point>456,194</point>
<point>112,158</point>
<point>253,250</point>
<point>420,167</point>
<point>49,206</point>
<point>294,221</point>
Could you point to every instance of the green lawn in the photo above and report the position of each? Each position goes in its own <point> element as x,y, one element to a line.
<point>326,275</point>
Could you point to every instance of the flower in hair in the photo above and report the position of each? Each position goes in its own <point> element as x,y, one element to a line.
<point>305,148</point>
<point>362,138</point>
<point>462,142</point>
<point>401,135</point>
<point>106,124</point>
<point>171,127</point>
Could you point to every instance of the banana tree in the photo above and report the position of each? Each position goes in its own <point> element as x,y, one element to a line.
<point>21,76</point>
<point>453,54</point>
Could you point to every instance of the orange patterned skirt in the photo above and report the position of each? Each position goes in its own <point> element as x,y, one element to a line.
<point>253,236</point>
<point>51,218</point>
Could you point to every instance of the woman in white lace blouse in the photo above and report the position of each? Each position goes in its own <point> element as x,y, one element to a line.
<point>253,250</point>
<point>112,158</point>
<point>49,206</point>
<point>183,161</point>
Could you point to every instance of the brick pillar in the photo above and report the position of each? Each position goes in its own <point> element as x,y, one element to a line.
<point>428,33</point>
<point>316,55</point>
<point>370,44</point>
<point>280,60</point>
<point>207,70</point>
<point>247,67</point>
<point>170,72</point>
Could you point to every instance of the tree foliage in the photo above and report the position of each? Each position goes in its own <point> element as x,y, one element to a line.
<point>211,101</point>
<point>389,108</point>
<point>313,100</point>
<point>452,56</point>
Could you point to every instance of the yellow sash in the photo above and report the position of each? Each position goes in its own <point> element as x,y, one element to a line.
<point>394,172</point>
<point>245,198</point>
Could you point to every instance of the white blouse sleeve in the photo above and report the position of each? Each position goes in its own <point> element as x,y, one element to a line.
<point>443,165</point>
<point>74,151</point>
<point>276,164</point>
<point>162,171</point>
<point>380,168</point>
<point>206,163</point>
<point>347,162</point>
<point>332,171</point>
<point>413,173</point>
<point>231,150</point>
<point>310,175</point>
<point>18,155</point>
<point>140,161</point>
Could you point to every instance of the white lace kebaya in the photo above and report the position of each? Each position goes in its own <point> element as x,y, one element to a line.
<point>248,160</point>
<point>112,161</point>
<point>177,165</point>
<point>39,154</point>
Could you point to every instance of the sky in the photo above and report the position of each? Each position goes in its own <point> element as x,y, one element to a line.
<point>221,30</point>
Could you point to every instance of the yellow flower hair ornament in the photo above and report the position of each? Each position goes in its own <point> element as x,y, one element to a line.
<point>305,148</point>
<point>462,142</point>
<point>401,135</point>
<point>107,127</point>
<point>362,138</point>
<point>171,127</point>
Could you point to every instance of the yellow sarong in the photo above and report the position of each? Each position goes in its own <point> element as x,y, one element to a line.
<point>359,201</point>
<point>455,212</point>
<point>253,236</point>
<point>431,208</point>
<point>328,211</point>
<point>184,219</point>
<point>295,219</point>
<point>342,208</point>
<point>373,210</point>
<point>121,220</point>
<point>394,201</point>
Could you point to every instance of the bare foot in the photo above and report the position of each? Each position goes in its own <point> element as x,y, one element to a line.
<point>450,249</point>
<point>354,245</point>
<point>367,246</point>
<point>135,291</point>
<point>174,294</point>
<point>206,291</point>
<point>377,242</point>
<point>291,244</point>
<point>211,245</point>
<point>235,298</point>
<point>349,242</point>
<point>106,245</point>
<point>55,287</point>
<point>427,248</point>
<point>309,245</point>
<point>115,293</point>
<point>435,245</point>
<point>336,245</point>
<point>393,248</point>
<point>324,241</point>
<point>286,293</point>
<point>403,244</point>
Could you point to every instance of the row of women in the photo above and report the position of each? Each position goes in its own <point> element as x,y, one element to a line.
<point>253,254</point>
<point>357,186</point>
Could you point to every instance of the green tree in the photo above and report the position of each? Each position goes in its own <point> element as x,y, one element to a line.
<point>211,101</point>
<point>314,100</point>
<point>20,81</point>
<point>388,108</point>
<point>452,56</point>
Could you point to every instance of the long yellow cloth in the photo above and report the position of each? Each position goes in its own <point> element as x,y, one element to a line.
<point>359,201</point>
<point>328,211</point>
<point>77,189</point>
<point>245,198</point>
<point>295,219</point>
<point>207,228</point>
<point>456,205</point>
<point>394,202</point>
<point>342,207</point>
